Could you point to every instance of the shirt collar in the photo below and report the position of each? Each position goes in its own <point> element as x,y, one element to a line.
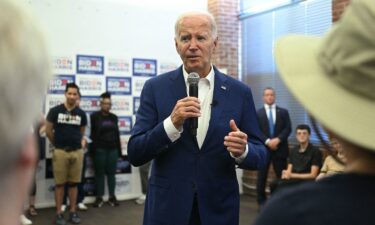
<point>273,106</point>
<point>209,77</point>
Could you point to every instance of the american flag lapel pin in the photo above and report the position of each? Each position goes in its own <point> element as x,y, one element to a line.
<point>224,88</point>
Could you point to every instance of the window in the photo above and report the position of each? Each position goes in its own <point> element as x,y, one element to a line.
<point>252,7</point>
<point>259,32</point>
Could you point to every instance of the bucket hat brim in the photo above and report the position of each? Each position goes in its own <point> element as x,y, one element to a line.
<point>347,114</point>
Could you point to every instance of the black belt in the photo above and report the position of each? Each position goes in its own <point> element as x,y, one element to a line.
<point>68,149</point>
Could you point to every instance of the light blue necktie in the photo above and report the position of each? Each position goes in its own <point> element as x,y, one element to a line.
<point>270,121</point>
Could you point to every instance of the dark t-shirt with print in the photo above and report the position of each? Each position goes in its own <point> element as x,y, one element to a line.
<point>67,126</point>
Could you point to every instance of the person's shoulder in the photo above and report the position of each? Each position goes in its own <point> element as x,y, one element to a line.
<point>232,81</point>
<point>56,108</point>
<point>346,180</point>
<point>329,158</point>
<point>80,111</point>
<point>59,106</point>
<point>171,73</point>
<point>285,204</point>
<point>114,116</point>
<point>281,109</point>
<point>52,113</point>
<point>260,110</point>
<point>294,195</point>
<point>95,114</point>
<point>165,76</point>
<point>234,85</point>
<point>295,148</point>
<point>313,147</point>
<point>306,202</point>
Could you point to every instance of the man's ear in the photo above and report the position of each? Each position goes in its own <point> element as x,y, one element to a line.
<point>216,40</point>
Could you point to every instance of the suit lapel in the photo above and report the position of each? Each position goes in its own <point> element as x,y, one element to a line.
<point>265,123</point>
<point>277,118</point>
<point>219,98</point>
<point>177,85</point>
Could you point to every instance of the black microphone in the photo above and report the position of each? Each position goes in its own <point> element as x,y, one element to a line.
<point>214,103</point>
<point>193,80</point>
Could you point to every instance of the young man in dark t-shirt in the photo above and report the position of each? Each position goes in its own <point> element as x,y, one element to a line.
<point>65,128</point>
<point>304,161</point>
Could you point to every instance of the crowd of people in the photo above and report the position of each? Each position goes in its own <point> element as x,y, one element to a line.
<point>76,135</point>
<point>197,165</point>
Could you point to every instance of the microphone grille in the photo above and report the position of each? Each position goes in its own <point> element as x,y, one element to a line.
<point>193,78</point>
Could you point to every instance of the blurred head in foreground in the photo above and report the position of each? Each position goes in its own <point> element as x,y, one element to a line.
<point>24,75</point>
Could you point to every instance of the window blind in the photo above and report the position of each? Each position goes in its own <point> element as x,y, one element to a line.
<point>259,32</point>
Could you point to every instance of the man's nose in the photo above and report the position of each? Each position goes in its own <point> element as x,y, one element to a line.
<point>193,44</point>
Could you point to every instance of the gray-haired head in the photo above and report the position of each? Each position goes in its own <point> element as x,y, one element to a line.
<point>24,76</point>
<point>209,16</point>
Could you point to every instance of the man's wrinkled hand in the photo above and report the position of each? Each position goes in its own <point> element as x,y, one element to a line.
<point>185,108</point>
<point>236,140</point>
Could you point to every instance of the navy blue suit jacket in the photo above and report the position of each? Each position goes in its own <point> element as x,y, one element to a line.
<point>180,169</point>
<point>282,130</point>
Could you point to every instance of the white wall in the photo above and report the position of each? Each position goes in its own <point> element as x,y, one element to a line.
<point>137,28</point>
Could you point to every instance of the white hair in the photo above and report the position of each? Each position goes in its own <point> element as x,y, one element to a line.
<point>209,16</point>
<point>24,75</point>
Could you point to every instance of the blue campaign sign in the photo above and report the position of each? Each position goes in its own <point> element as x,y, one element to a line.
<point>144,67</point>
<point>58,83</point>
<point>90,104</point>
<point>136,103</point>
<point>125,124</point>
<point>89,64</point>
<point>119,85</point>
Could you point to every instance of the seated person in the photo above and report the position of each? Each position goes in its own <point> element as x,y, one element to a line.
<point>333,164</point>
<point>304,161</point>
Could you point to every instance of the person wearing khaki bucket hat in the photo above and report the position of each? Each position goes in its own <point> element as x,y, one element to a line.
<point>334,79</point>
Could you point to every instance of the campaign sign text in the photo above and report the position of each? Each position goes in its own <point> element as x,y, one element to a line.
<point>144,67</point>
<point>58,83</point>
<point>87,64</point>
<point>119,85</point>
